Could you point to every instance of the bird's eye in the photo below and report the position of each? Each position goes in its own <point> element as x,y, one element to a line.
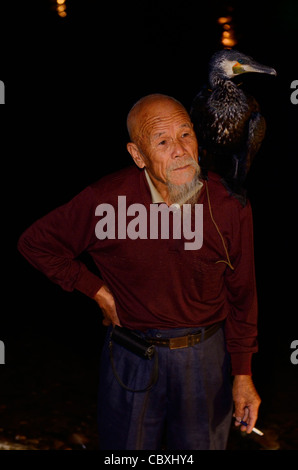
<point>240,61</point>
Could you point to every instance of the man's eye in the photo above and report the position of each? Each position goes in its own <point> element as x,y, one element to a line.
<point>185,134</point>
<point>162,142</point>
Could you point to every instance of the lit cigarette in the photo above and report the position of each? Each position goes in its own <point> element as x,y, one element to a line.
<point>257,431</point>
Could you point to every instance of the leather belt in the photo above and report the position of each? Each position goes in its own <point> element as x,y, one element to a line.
<point>186,341</point>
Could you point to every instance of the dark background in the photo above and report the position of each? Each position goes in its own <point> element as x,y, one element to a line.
<point>69,85</point>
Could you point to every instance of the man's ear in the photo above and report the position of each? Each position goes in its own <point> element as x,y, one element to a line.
<point>136,154</point>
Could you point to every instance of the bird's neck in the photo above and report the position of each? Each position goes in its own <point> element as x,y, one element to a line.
<point>226,89</point>
<point>218,80</point>
<point>227,97</point>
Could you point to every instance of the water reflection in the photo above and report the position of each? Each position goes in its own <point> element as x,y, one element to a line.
<point>228,37</point>
<point>60,7</point>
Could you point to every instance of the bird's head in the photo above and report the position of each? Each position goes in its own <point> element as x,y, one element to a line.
<point>228,63</point>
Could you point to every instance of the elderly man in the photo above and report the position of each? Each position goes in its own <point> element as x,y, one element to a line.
<point>197,307</point>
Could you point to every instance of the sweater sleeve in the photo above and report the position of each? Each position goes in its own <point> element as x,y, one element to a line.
<point>241,323</point>
<point>54,242</point>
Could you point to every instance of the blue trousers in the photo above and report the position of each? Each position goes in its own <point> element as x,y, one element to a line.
<point>189,407</point>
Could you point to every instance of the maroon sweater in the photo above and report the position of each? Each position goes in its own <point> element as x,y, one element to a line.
<point>156,282</point>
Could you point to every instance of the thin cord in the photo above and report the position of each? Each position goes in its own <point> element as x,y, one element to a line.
<point>228,262</point>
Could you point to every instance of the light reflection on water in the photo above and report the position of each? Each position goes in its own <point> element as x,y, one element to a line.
<point>228,37</point>
<point>60,7</point>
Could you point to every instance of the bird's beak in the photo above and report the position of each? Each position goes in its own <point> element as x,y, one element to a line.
<point>253,67</point>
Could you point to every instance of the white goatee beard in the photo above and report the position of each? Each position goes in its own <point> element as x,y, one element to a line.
<point>186,193</point>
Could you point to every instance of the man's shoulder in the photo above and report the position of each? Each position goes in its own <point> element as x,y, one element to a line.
<point>120,181</point>
<point>221,192</point>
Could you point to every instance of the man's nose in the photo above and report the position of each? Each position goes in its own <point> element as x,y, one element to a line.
<point>178,149</point>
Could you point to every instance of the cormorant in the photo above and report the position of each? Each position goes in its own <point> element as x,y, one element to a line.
<point>227,121</point>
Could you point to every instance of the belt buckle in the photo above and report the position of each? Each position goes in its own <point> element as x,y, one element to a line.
<point>179,342</point>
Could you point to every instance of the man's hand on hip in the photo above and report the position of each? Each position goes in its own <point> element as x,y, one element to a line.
<point>106,302</point>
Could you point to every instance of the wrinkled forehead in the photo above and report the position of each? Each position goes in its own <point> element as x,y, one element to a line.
<point>161,119</point>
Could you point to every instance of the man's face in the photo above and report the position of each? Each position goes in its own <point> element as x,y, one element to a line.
<point>168,144</point>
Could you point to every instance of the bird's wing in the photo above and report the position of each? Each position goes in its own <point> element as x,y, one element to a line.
<point>199,115</point>
<point>202,122</point>
<point>256,133</point>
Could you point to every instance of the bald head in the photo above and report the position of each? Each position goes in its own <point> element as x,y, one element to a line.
<point>147,109</point>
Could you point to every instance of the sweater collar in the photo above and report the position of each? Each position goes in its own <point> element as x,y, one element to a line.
<point>155,195</point>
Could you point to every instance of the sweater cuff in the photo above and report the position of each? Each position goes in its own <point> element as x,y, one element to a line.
<point>241,363</point>
<point>88,283</point>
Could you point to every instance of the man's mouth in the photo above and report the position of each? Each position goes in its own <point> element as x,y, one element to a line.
<point>181,168</point>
